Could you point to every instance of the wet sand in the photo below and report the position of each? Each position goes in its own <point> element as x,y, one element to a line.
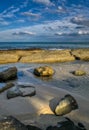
<point>32,110</point>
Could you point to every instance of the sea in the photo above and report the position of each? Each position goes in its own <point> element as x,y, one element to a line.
<point>43,45</point>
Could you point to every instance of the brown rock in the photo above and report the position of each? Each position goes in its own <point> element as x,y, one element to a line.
<point>8,58</point>
<point>79,73</point>
<point>81,54</point>
<point>44,71</point>
<point>48,56</point>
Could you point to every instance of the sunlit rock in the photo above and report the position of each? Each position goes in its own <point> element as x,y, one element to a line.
<point>64,105</point>
<point>8,58</point>
<point>81,54</point>
<point>44,71</point>
<point>79,73</point>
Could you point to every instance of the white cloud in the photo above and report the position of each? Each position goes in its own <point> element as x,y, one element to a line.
<point>83,32</point>
<point>45,2</point>
<point>58,33</point>
<point>30,14</point>
<point>9,13</point>
<point>61,9</point>
<point>80,20</point>
<point>49,29</point>
<point>24,33</point>
<point>20,20</point>
<point>4,23</point>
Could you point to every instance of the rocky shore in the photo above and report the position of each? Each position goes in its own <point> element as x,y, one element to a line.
<point>35,94</point>
<point>43,56</point>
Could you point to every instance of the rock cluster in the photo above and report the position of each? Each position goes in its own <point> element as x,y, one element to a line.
<point>44,71</point>
<point>14,91</point>
<point>11,123</point>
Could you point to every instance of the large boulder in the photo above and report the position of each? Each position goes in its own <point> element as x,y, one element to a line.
<point>44,71</point>
<point>11,123</point>
<point>79,72</point>
<point>7,86</point>
<point>64,105</point>
<point>8,74</point>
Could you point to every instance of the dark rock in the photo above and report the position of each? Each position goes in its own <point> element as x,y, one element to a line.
<point>44,71</point>
<point>8,74</point>
<point>21,91</point>
<point>33,127</point>
<point>13,92</point>
<point>64,105</point>
<point>28,91</point>
<point>66,125</point>
<point>63,125</point>
<point>81,126</point>
<point>7,86</point>
<point>11,123</point>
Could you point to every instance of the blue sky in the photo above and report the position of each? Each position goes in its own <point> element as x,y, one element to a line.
<point>44,20</point>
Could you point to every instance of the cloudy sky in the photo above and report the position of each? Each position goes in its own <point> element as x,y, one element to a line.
<point>44,20</point>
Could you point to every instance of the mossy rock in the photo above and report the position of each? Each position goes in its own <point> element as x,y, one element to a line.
<point>79,73</point>
<point>44,71</point>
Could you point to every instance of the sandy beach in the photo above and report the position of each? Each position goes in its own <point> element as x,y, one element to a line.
<point>36,110</point>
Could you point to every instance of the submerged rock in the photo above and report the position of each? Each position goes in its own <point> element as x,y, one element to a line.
<point>7,86</point>
<point>44,71</point>
<point>13,92</point>
<point>11,123</point>
<point>21,91</point>
<point>28,91</point>
<point>8,74</point>
<point>79,73</point>
<point>64,105</point>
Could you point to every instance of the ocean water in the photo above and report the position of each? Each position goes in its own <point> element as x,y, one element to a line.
<point>43,45</point>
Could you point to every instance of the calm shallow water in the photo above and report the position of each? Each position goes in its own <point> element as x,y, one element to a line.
<point>63,78</point>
